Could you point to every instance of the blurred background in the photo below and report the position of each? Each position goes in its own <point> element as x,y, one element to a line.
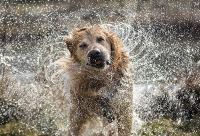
<point>161,36</point>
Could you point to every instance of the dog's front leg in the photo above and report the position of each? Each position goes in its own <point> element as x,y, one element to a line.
<point>77,116</point>
<point>124,111</point>
<point>124,122</point>
<point>76,121</point>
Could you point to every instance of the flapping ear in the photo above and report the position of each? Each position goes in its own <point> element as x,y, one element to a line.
<point>116,47</point>
<point>72,40</point>
<point>120,58</point>
<point>69,43</point>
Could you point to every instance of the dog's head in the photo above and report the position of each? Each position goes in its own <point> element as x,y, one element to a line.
<point>94,47</point>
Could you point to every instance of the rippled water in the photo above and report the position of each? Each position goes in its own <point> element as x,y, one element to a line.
<point>33,40</point>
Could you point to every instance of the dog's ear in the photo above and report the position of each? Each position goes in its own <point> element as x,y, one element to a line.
<point>119,57</point>
<point>116,46</point>
<point>69,43</point>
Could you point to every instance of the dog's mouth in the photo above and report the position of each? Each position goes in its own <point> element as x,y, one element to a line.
<point>97,59</point>
<point>98,62</point>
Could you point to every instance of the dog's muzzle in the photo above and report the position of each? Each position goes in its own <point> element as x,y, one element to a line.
<point>97,59</point>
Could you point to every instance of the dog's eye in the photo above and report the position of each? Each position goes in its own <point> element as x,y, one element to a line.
<point>83,45</point>
<point>100,39</point>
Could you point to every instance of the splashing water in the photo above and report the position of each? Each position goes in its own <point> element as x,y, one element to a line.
<point>34,83</point>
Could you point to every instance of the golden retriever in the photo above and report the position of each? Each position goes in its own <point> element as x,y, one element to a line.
<point>100,84</point>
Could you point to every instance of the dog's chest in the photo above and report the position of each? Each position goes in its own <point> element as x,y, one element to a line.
<point>95,85</point>
<point>89,87</point>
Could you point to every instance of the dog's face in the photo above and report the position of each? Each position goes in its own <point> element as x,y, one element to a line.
<point>91,48</point>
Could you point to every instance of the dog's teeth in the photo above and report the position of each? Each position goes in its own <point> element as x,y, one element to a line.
<point>108,63</point>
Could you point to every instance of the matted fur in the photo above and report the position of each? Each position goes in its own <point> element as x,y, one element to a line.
<point>100,100</point>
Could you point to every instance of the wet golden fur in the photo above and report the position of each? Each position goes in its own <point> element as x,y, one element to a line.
<point>99,98</point>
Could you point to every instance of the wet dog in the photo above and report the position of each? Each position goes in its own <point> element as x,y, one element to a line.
<point>99,83</point>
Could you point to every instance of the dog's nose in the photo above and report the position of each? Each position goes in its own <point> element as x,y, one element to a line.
<point>94,54</point>
<point>96,58</point>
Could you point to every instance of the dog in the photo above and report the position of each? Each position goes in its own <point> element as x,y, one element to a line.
<point>100,83</point>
